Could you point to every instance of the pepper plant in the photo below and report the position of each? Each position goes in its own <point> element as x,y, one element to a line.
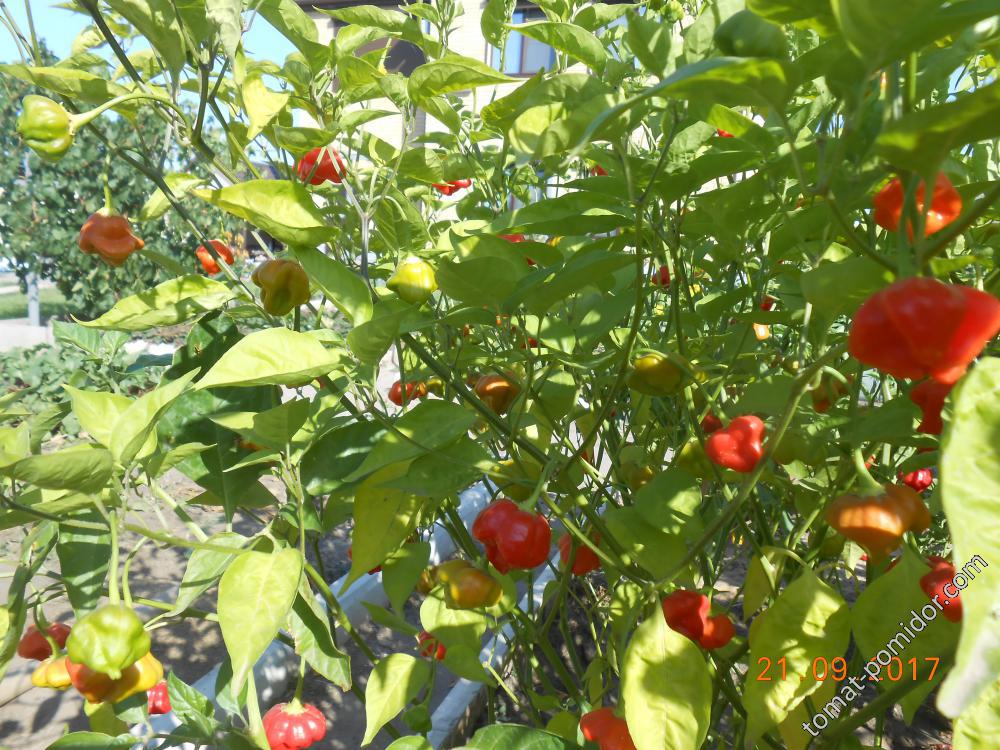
<point>684,302</point>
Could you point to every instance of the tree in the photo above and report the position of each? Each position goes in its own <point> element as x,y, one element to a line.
<point>44,205</point>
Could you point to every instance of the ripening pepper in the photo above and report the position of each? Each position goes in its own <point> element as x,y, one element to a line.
<point>918,480</point>
<point>607,730</point>
<point>692,459</point>
<point>930,396</point>
<point>933,583</point>
<point>738,446</point>
<point>293,726</point>
<point>283,284</point>
<point>654,375</point>
<point>513,538</point>
<point>878,523</point>
<point>636,468</point>
<point>109,236</point>
<point>918,327</point>
<point>661,277</point>
<point>108,640</point>
<point>465,586</point>
<point>325,171</point>
<point>430,646</point>
<point>497,392</point>
<point>52,673</point>
<point>208,261</point>
<point>413,280</point>
<point>98,687</point>
<point>158,699</point>
<point>827,392</point>
<point>434,385</point>
<point>33,644</point>
<point>413,391</point>
<point>585,560</point>
<point>687,612</point>
<point>516,478</point>
<point>46,127</point>
<point>745,34</point>
<point>946,205</point>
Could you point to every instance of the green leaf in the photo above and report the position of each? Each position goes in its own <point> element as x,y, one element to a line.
<point>273,428</point>
<point>310,627</point>
<point>650,547</point>
<point>921,140</point>
<point>453,627</point>
<point>98,344</point>
<point>189,706</point>
<point>586,213</point>
<point>402,570</point>
<point>92,741</point>
<point>840,287</point>
<point>84,559</point>
<point>568,38</point>
<point>82,468</point>
<point>596,16</point>
<point>650,41</point>
<point>871,28</point>
<point>393,683</point>
<point>204,567</point>
<point>970,484</point>
<point>763,574</point>
<point>410,743</point>
<point>342,286</point>
<point>815,14</point>
<point>255,594</point>
<point>890,599</point>
<point>516,737</point>
<point>484,280</point>
<point>97,411</point>
<point>274,356</point>
<point>428,426</point>
<point>808,620</point>
<point>293,23</point>
<point>283,209</point>
<point>452,73</point>
<point>77,85</point>
<point>496,16</point>
<point>136,425</point>
<point>383,519</point>
<point>262,104</point>
<point>167,304</point>
<point>670,502</point>
<point>157,204</point>
<point>976,728</point>
<point>370,15</point>
<point>666,688</point>
<point>156,20</point>
<point>546,288</point>
<point>300,140</point>
<point>226,17</point>
<point>338,454</point>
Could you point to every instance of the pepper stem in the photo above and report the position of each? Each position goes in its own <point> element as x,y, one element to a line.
<point>870,485</point>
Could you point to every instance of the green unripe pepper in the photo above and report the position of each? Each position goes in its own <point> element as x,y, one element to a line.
<point>745,34</point>
<point>45,126</point>
<point>108,640</point>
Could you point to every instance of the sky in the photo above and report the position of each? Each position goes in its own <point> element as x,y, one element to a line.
<point>58,27</point>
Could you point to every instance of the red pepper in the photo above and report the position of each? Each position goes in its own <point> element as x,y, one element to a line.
<point>942,574</point>
<point>513,538</point>
<point>723,133</point>
<point>512,237</point>
<point>661,278</point>
<point>598,171</point>
<point>918,480</point>
<point>158,699</point>
<point>738,446</point>
<point>930,395</point>
<point>293,726</point>
<point>606,729</point>
<point>326,171</point>
<point>918,327</point>
<point>430,646</point>
<point>208,262</point>
<point>585,561</point>
<point>448,188</point>
<point>710,424</point>
<point>768,302</point>
<point>373,571</point>
<point>34,646</point>
<point>946,205</point>
<point>413,391</point>
<point>687,613</point>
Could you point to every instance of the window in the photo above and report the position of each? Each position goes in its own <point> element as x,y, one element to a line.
<point>524,56</point>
